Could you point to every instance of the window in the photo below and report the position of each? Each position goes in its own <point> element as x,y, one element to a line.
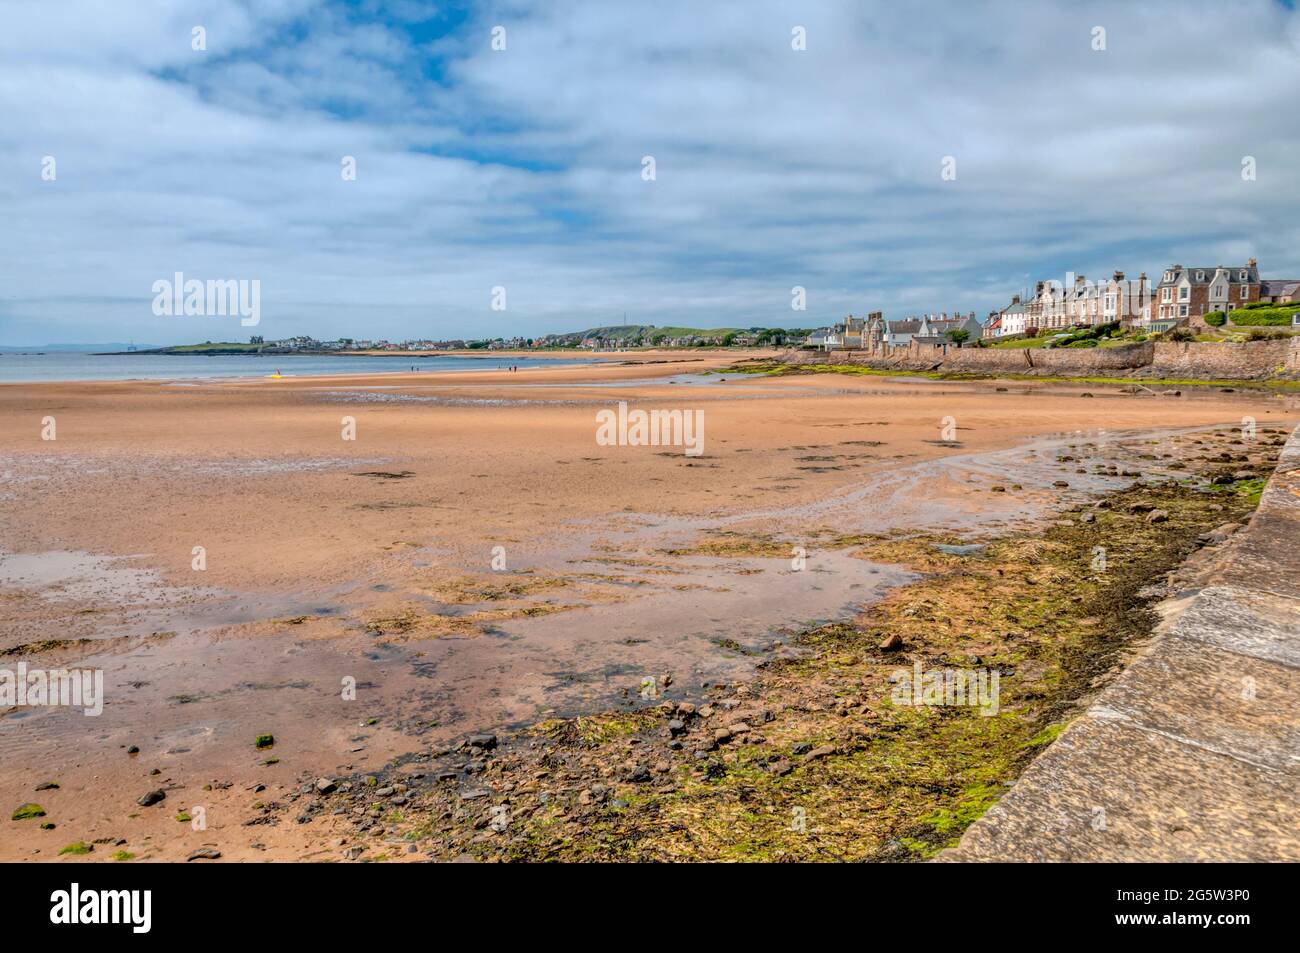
<point>1166,294</point>
<point>1185,293</point>
<point>1245,275</point>
<point>1182,311</point>
<point>1245,292</point>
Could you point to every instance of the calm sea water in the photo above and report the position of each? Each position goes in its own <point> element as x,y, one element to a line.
<point>57,366</point>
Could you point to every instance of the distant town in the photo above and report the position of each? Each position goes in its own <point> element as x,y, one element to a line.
<point>1199,302</point>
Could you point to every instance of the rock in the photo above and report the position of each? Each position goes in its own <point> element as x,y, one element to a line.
<point>1060,484</point>
<point>1088,517</point>
<point>997,489</point>
<point>640,774</point>
<point>820,752</point>
<point>353,852</point>
<point>325,786</point>
<point>48,786</point>
<point>152,797</point>
<point>1158,516</point>
<point>780,767</point>
<point>385,792</point>
<point>1244,475</point>
<point>483,741</point>
<point>800,748</point>
<point>204,853</point>
<point>892,643</point>
<point>676,726</point>
<point>706,711</point>
<point>722,735</point>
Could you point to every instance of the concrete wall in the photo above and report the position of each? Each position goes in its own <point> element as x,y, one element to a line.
<point>1256,359</point>
<point>1190,754</point>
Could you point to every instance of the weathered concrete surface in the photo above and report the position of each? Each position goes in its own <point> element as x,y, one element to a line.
<point>1193,753</point>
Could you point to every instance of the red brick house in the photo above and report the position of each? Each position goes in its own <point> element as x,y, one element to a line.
<point>1188,294</point>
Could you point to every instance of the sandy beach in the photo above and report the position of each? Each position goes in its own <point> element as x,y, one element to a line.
<point>369,566</point>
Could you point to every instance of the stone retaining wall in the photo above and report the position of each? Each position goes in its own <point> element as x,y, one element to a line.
<point>1249,361</point>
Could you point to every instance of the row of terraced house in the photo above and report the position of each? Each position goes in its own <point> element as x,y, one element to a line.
<point>1182,298</point>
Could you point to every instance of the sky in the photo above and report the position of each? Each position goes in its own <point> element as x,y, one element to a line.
<point>524,168</point>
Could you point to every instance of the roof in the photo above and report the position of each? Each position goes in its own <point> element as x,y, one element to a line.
<point>1279,287</point>
<point>908,326</point>
<point>1190,272</point>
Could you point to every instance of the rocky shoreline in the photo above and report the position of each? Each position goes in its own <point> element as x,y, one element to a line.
<point>813,759</point>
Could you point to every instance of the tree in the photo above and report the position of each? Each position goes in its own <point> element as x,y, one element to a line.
<point>959,336</point>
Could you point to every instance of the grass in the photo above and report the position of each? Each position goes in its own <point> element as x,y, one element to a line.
<point>1021,343</point>
<point>27,811</point>
<point>78,848</point>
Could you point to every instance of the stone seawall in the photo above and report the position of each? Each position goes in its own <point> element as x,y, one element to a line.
<point>1255,360</point>
<point>1191,754</point>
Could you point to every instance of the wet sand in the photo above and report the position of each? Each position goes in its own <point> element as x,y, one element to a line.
<point>371,561</point>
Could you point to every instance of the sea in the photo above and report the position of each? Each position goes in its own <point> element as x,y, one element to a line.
<point>77,366</point>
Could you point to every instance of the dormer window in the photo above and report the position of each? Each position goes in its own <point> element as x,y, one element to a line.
<point>1245,275</point>
<point>1169,276</point>
<point>1200,276</point>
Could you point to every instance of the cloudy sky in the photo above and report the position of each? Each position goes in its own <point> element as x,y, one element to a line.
<point>522,168</point>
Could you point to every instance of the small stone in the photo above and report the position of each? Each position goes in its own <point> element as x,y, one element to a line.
<point>483,741</point>
<point>204,853</point>
<point>820,752</point>
<point>892,643</point>
<point>1158,516</point>
<point>152,797</point>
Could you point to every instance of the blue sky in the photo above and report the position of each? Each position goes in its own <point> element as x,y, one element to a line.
<point>522,168</point>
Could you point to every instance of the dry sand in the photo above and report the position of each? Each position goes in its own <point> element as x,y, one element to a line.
<point>332,562</point>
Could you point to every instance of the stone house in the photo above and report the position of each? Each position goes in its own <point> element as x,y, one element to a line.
<point>1188,294</point>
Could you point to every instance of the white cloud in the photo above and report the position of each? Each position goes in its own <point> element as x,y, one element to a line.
<point>522,168</point>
